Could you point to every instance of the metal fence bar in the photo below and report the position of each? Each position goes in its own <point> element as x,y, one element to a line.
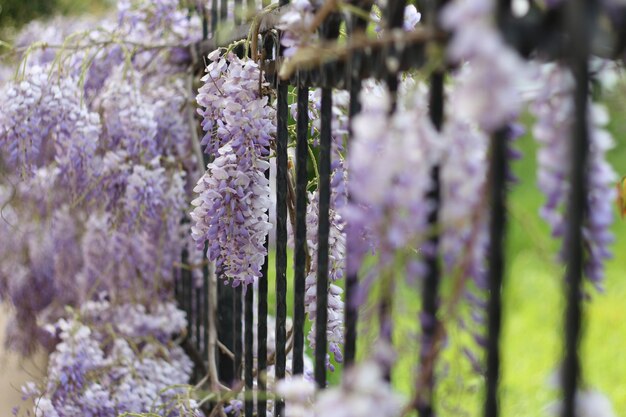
<point>357,25</point>
<point>262,334</point>
<point>301,260</point>
<point>497,229</point>
<point>321,310</point>
<point>205,310</point>
<point>237,331</point>
<point>430,290</point>
<point>238,12</point>
<point>578,13</point>
<point>198,318</point>
<point>225,332</point>
<point>248,349</point>
<point>214,14</point>
<point>282,116</point>
<point>223,11</point>
<point>389,66</point>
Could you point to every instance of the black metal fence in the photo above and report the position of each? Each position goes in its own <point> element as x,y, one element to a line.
<point>562,33</point>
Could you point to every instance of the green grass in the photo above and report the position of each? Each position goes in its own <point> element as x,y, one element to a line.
<point>533,298</point>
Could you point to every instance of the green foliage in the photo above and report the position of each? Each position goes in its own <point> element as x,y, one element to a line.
<point>15,13</point>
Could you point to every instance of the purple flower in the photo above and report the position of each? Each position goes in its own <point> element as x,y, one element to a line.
<point>233,195</point>
<point>554,108</point>
<point>231,214</point>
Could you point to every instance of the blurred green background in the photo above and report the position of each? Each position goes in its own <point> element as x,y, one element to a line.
<point>533,331</point>
<point>15,13</point>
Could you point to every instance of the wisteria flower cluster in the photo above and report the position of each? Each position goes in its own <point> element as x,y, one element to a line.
<point>363,392</point>
<point>97,162</point>
<point>387,211</point>
<point>106,367</point>
<point>233,195</point>
<point>554,107</point>
<point>489,93</point>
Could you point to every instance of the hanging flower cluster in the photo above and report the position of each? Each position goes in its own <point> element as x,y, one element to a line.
<point>554,107</point>
<point>489,94</point>
<point>233,195</point>
<point>387,211</point>
<point>111,360</point>
<point>96,158</point>
<point>364,392</point>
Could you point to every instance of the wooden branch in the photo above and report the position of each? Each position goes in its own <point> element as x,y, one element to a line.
<point>339,50</point>
<point>225,36</point>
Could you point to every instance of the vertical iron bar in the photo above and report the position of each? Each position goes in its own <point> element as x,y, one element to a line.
<point>321,310</point>
<point>177,291</point>
<point>281,237</point>
<point>205,310</point>
<point>238,12</point>
<point>262,335</point>
<point>300,260</point>
<point>225,331</point>
<point>496,254</point>
<point>430,292</point>
<point>205,21</point>
<point>395,17</point>
<point>579,12</point>
<point>251,7</point>
<point>186,293</point>
<point>197,312</point>
<point>238,348</point>
<point>223,10</point>
<point>497,229</point>
<point>281,232</point>
<point>249,359</point>
<point>188,301</point>
<point>214,18</point>
<point>357,25</point>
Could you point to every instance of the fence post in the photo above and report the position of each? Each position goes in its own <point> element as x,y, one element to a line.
<point>301,260</point>
<point>282,115</point>
<point>578,11</point>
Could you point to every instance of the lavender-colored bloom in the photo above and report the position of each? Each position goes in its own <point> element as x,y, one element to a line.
<point>233,109</point>
<point>45,120</point>
<point>95,372</point>
<point>294,25</point>
<point>336,253</point>
<point>231,209</point>
<point>388,209</point>
<point>411,18</point>
<point>554,108</point>
<point>488,93</point>
<point>128,116</point>
<point>24,123</point>
<point>231,215</point>
<point>364,392</point>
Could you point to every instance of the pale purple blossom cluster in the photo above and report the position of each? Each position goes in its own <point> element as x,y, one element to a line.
<point>553,107</point>
<point>336,255</point>
<point>295,24</point>
<point>363,392</point>
<point>388,210</point>
<point>411,18</point>
<point>105,367</point>
<point>97,162</point>
<point>44,121</point>
<point>233,195</point>
<point>488,89</point>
